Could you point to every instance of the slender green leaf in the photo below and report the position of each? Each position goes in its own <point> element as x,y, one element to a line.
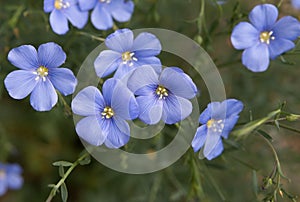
<point>64,192</point>
<point>62,163</point>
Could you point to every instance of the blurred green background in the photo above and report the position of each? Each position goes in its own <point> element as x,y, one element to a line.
<point>36,139</point>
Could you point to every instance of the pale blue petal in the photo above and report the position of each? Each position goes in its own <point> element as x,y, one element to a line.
<point>77,17</point>
<point>296,4</point>
<point>287,28</point>
<point>3,186</point>
<point>107,62</point>
<point>48,5</point>
<point>43,96</point>
<point>108,89</point>
<point>20,83</point>
<point>212,141</point>
<point>154,62</point>
<point>58,22</point>
<point>199,138</point>
<point>205,115</point>
<point>93,129</point>
<point>88,102</point>
<point>101,18</point>
<point>146,90</point>
<point>123,70</point>
<point>119,133</point>
<point>14,181</point>
<point>216,151</point>
<point>150,109</point>
<point>141,77</point>
<point>145,45</point>
<point>120,41</point>
<point>229,125</point>
<point>178,83</point>
<point>86,4</point>
<point>121,10</point>
<point>256,58</point>
<point>232,106</point>
<point>63,80</point>
<point>24,57</point>
<point>244,35</point>
<point>51,55</point>
<point>263,16</point>
<point>279,46</point>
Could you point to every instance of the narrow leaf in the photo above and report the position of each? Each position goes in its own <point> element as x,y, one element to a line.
<point>64,192</point>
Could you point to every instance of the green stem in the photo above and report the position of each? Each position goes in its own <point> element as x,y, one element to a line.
<point>289,128</point>
<point>68,110</point>
<point>91,36</point>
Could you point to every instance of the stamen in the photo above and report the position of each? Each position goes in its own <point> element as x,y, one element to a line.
<point>107,113</point>
<point>105,1</point>
<point>266,36</point>
<point>162,92</point>
<point>215,125</point>
<point>60,4</point>
<point>41,72</point>
<point>127,57</point>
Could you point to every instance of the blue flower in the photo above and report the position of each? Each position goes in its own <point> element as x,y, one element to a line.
<point>105,10</point>
<point>10,177</point>
<point>39,75</point>
<point>296,4</point>
<point>105,114</point>
<point>163,96</point>
<point>127,53</point>
<point>217,120</point>
<point>264,38</point>
<point>62,11</point>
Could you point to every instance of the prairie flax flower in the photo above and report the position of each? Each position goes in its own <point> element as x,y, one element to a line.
<point>10,177</point>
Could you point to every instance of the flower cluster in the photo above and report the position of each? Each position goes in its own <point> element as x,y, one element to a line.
<point>10,177</point>
<point>76,11</point>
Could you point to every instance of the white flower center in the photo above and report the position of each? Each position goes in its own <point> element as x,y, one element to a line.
<point>60,4</point>
<point>107,113</point>
<point>161,92</point>
<point>128,57</point>
<point>215,125</point>
<point>41,72</point>
<point>105,1</point>
<point>266,36</point>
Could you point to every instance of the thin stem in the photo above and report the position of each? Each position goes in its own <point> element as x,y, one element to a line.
<point>68,110</point>
<point>91,36</point>
<point>289,128</point>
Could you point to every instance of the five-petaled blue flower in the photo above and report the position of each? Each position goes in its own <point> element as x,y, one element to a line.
<point>39,75</point>
<point>10,177</point>
<point>105,10</point>
<point>105,115</point>
<point>264,38</point>
<point>127,53</point>
<point>217,120</point>
<point>62,11</point>
<point>163,96</point>
<point>296,4</point>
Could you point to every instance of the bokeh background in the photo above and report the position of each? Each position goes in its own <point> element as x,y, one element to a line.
<point>36,139</point>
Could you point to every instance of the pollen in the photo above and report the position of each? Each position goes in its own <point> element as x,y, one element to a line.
<point>60,4</point>
<point>266,36</point>
<point>128,57</point>
<point>41,72</point>
<point>161,92</point>
<point>215,125</point>
<point>107,113</point>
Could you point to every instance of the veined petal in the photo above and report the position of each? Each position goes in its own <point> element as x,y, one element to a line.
<point>216,151</point>
<point>179,83</point>
<point>211,144</point>
<point>120,41</point>
<point>244,35</point>
<point>86,4</point>
<point>25,57</point>
<point>20,83</point>
<point>77,17</point>
<point>199,138</point>
<point>287,28</point>
<point>141,77</point>
<point>263,16</point>
<point>176,109</point>
<point>43,96</point>
<point>150,109</point>
<point>229,125</point>
<point>146,90</point>
<point>123,70</point>
<point>63,80</point>
<point>48,5</point>
<point>154,62</point>
<point>101,18</point>
<point>205,115</point>
<point>279,46</point>
<point>51,55</point>
<point>107,62</point>
<point>146,44</point>
<point>232,106</point>
<point>58,22</point>
<point>119,133</point>
<point>93,129</point>
<point>256,58</point>
<point>121,10</point>
<point>88,102</point>
<point>108,89</point>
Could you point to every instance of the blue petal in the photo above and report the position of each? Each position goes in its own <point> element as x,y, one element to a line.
<point>212,142</point>
<point>107,62</point>
<point>178,83</point>
<point>216,151</point>
<point>3,186</point>
<point>58,22</point>
<point>108,89</point>
<point>101,18</point>
<point>154,62</point>
<point>123,101</point>
<point>263,17</point>
<point>296,4</point>
<point>77,17</point>
<point>51,55</point>
<point>20,83</point>
<point>205,115</point>
<point>119,133</point>
<point>24,57</point>
<point>120,41</point>
<point>176,109</point>
<point>87,4</point>
<point>244,35</point>
<point>121,10</point>
<point>150,109</point>
<point>88,102</point>
<point>141,77</point>
<point>14,181</point>
<point>199,138</point>
<point>123,70</point>
<point>232,106</point>
<point>48,5</point>
<point>256,58</point>
<point>145,45</point>
<point>146,90</point>
<point>287,28</point>
<point>93,129</point>
<point>229,125</point>
<point>63,80</point>
<point>43,96</point>
<point>279,46</point>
